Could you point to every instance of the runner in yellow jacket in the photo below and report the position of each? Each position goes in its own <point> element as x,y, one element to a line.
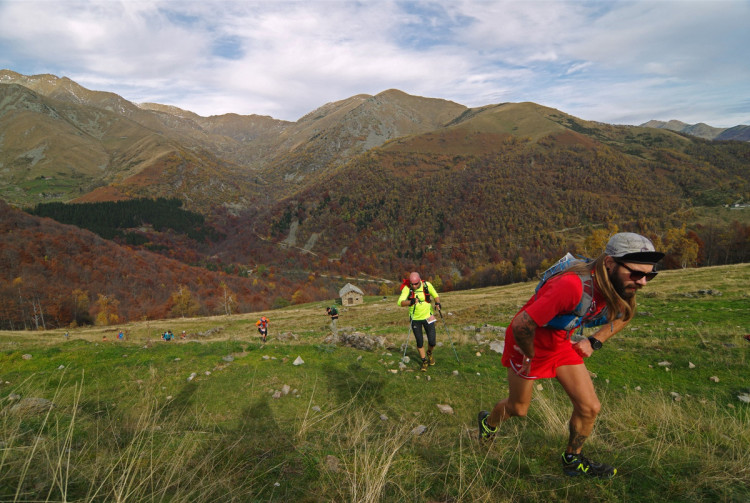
<point>418,298</point>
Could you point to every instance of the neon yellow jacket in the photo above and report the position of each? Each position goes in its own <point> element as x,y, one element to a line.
<point>421,310</point>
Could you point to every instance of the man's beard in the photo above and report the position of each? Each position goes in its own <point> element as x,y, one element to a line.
<point>619,286</point>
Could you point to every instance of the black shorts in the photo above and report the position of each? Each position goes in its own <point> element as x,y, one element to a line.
<point>416,327</point>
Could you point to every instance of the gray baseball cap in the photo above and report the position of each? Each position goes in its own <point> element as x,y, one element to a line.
<point>632,247</point>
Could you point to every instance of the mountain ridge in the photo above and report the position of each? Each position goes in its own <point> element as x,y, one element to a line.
<point>377,184</point>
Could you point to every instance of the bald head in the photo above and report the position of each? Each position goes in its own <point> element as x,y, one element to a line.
<point>414,277</point>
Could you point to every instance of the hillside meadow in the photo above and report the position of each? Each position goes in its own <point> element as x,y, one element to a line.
<point>197,420</point>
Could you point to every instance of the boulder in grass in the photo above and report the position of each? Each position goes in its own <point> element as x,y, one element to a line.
<point>445,409</point>
<point>419,430</point>
<point>31,406</point>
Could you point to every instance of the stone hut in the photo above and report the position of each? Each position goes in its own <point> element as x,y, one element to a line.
<point>351,295</point>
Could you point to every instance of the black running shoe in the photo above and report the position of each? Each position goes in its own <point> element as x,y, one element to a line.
<point>485,432</point>
<point>580,465</point>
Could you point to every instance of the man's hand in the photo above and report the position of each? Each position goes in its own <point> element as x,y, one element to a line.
<point>583,348</point>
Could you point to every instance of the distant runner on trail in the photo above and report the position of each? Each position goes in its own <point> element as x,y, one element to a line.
<point>418,299</point>
<point>334,314</point>
<point>262,325</point>
<point>538,344</point>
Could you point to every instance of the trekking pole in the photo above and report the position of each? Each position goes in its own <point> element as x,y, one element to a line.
<point>449,335</point>
<point>406,341</point>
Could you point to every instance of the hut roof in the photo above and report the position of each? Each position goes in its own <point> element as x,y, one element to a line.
<point>349,288</point>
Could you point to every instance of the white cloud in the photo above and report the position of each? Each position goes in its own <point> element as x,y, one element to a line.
<point>622,61</point>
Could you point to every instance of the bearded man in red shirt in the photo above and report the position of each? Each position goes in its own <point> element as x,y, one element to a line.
<point>538,341</point>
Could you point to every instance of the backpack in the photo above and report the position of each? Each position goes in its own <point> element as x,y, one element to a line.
<point>334,311</point>
<point>583,314</point>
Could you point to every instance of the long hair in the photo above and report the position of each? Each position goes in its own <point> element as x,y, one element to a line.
<point>616,305</point>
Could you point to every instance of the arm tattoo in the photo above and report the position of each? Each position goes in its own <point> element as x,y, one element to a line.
<point>524,329</point>
<point>576,440</point>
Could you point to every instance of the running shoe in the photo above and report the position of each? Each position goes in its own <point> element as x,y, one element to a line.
<point>581,465</point>
<point>424,365</point>
<point>485,432</point>
<point>430,359</point>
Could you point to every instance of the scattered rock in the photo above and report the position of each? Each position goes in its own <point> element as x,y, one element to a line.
<point>419,430</point>
<point>709,291</point>
<point>445,409</point>
<point>211,331</point>
<point>497,346</point>
<point>383,417</point>
<point>357,340</point>
<point>691,365</point>
<point>26,357</point>
<point>276,394</point>
<point>492,329</point>
<point>479,353</point>
<point>638,388</point>
<point>298,361</point>
<point>192,376</point>
<point>207,372</point>
<point>178,359</point>
<point>675,396</point>
<point>61,367</point>
<point>539,387</point>
<point>401,366</point>
<point>393,371</point>
<point>744,397</point>
<point>315,408</point>
<point>14,396</point>
<point>228,358</point>
<point>333,464</point>
<point>266,357</point>
<point>429,378</point>
<point>664,364</point>
<point>169,397</point>
<point>406,359</point>
<point>286,336</point>
<point>285,389</point>
<point>714,378</point>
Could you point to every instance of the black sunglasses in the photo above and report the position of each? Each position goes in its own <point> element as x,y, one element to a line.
<point>638,275</point>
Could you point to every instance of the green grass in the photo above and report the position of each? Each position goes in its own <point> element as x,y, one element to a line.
<point>129,425</point>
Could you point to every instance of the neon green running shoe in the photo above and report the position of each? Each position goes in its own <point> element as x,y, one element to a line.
<point>485,432</point>
<point>581,465</point>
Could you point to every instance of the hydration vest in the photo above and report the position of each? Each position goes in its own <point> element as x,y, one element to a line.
<point>583,315</point>
<point>425,290</point>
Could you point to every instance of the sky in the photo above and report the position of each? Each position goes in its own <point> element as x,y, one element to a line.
<point>619,62</point>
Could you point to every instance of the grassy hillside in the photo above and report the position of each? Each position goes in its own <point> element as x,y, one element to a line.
<point>130,424</point>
